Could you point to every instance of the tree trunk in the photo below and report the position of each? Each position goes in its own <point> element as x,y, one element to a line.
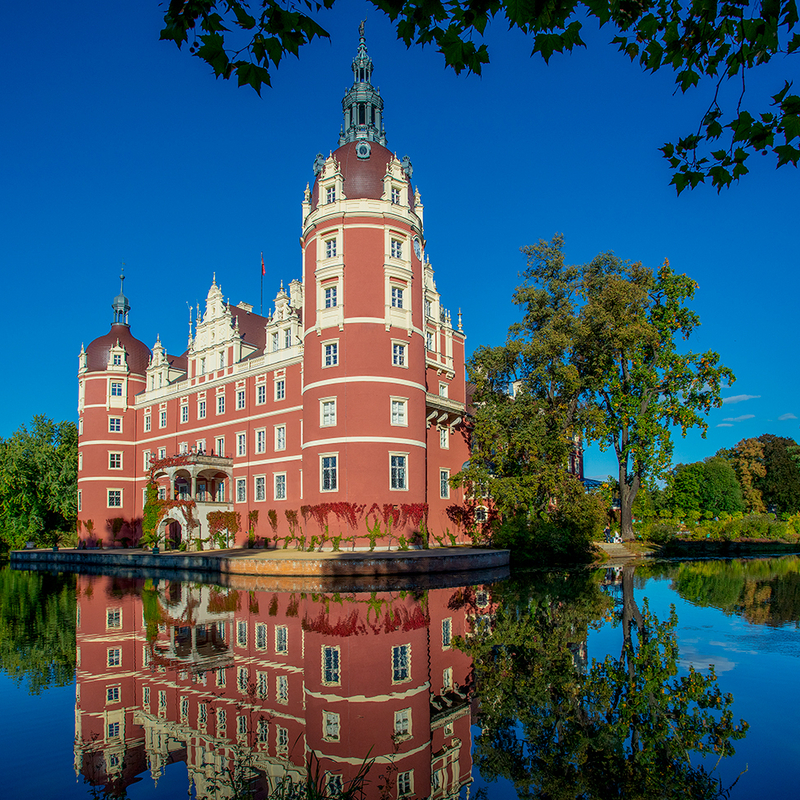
<point>627,494</point>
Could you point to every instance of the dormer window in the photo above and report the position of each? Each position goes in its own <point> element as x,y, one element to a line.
<point>395,196</point>
<point>330,194</point>
<point>275,342</point>
<point>117,360</point>
<point>287,338</point>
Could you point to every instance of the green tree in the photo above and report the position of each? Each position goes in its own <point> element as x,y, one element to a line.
<point>706,486</point>
<point>37,628</point>
<point>780,485</point>
<point>715,45</point>
<point>747,459</point>
<point>624,727</point>
<point>38,481</point>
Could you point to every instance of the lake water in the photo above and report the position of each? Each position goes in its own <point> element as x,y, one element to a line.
<point>578,684</point>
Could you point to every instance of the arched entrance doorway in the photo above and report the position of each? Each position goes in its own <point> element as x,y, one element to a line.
<point>173,535</point>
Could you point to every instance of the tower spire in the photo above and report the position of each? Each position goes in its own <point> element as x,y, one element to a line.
<point>362,104</point>
<point>121,306</point>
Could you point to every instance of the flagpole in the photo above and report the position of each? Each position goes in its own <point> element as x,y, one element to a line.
<point>262,285</point>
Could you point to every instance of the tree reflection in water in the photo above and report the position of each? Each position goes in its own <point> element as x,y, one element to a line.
<point>628,726</point>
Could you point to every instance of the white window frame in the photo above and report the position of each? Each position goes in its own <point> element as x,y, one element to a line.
<point>327,420</point>
<point>399,354</point>
<point>330,296</point>
<point>241,399</point>
<point>114,459</point>
<point>444,484</point>
<point>114,657</point>
<point>447,633</point>
<point>282,689</point>
<point>282,640</point>
<point>444,390</point>
<point>279,486</point>
<point>280,388</point>
<point>398,411</point>
<point>396,248</point>
<point>118,496</point>
<point>444,438</point>
<point>398,295</point>
<point>261,394</point>
<point>401,662</point>
<point>118,428</point>
<point>261,440</point>
<point>201,409</point>
<point>259,488</point>
<point>162,418</point>
<point>147,423</point>
<point>220,404</point>
<point>405,783</point>
<point>330,247</point>
<point>330,354</point>
<point>116,389</point>
<point>280,437</point>
<point>184,416</point>
<point>241,490</point>
<point>241,444</point>
<point>331,726</point>
<point>395,464</point>
<point>332,676</point>
<point>322,468</point>
<point>402,724</point>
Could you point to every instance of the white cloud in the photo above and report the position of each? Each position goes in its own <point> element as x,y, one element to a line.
<point>739,398</point>
<point>784,417</point>
<point>742,418</point>
<point>724,425</point>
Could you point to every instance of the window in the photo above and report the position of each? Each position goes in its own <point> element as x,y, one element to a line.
<point>287,338</point>
<point>429,341</point>
<point>115,424</point>
<point>330,665</point>
<point>146,697</point>
<point>113,730</point>
<point>201,409</point>
<point>334,784</point>
<point>442,390</point>
<point>263,731</point>
<point>330,724</point>
<point>115,498</point>
<point>282,640</point>
<point>222,721</point>
<point>405,783</point>
<point>220,404</point>
<point>115,460</point>
<point>241,444</point>
<point>328,473</point>
<point>261,440</point>
<point>184,413</point>
<point>117,360</point>
<point>184,708</point>
<point>447,678</point>
<point>395,196</point>
<point>275,342</point>
<point>162,701</point>
<point>202,713</point>
<point>280,389</point>
<point>428,309</point>
<point>398,354</point>
<point>202,366</point>
<point>183,448</point>
<point>444,483</point>
<point>282,689</point>
<point>444,438</point>
<point>398,472</point>
<point>331,298</point>
<point>280,437</point>
<point>114,657</point>
<point>447,632</point>
<point>241,633</point>
<point>401,663</point>
<point>162,453</point>
<point>280,486</point>
<point>397,248</point>
<point>399,412</point>
<point>261,635</point>
<point>241,679</point>
<point>162,418</point>
<point>221,676</point>
<point>240,398</point>
<point>80,500</point>
<point>397,297</point>
<point>114,618</point>
<point>201,446</point>
<point>261,394</point>
<point>221,359</point>
<point>480,514</point>
<point>402,722</point>
<point>282,738</point>
<point>330,248</point>
<point>147,455</point>
<point>261,487</point>
<point>327,413</point>
<point>261,684</point>
<point>219,443</point>
<point>330,194</point>
<point>241,490</point>
<point>147,423</point>
<point>112,694</point>
<point>330,353</point>
<point>241,725</point>
<point>116,388</point>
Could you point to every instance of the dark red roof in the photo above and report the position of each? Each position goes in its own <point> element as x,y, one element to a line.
<point>363,177</point>
<point>138,352</point>
<point>252,327</point>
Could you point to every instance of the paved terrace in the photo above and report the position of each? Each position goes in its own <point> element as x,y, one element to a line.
<point>275,563</point>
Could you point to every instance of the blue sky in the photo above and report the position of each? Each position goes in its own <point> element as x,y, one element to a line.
<point>119,148</point>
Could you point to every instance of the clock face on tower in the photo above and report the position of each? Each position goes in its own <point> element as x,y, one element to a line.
<point>363,150</point>
<point>418,247</point>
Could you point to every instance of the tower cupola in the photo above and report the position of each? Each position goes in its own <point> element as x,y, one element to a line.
<point>362,104</point>
<point>121,306</point>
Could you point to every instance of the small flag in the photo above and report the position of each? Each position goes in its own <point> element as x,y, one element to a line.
<point>263,271</point>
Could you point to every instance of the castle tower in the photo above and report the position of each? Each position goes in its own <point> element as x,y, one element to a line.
<point>378,365</point>
<point>111,373</point>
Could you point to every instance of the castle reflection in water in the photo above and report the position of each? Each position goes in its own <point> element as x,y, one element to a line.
<point>251,687</point>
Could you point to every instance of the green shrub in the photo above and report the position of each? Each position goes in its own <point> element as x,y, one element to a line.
<point>662,532</point>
